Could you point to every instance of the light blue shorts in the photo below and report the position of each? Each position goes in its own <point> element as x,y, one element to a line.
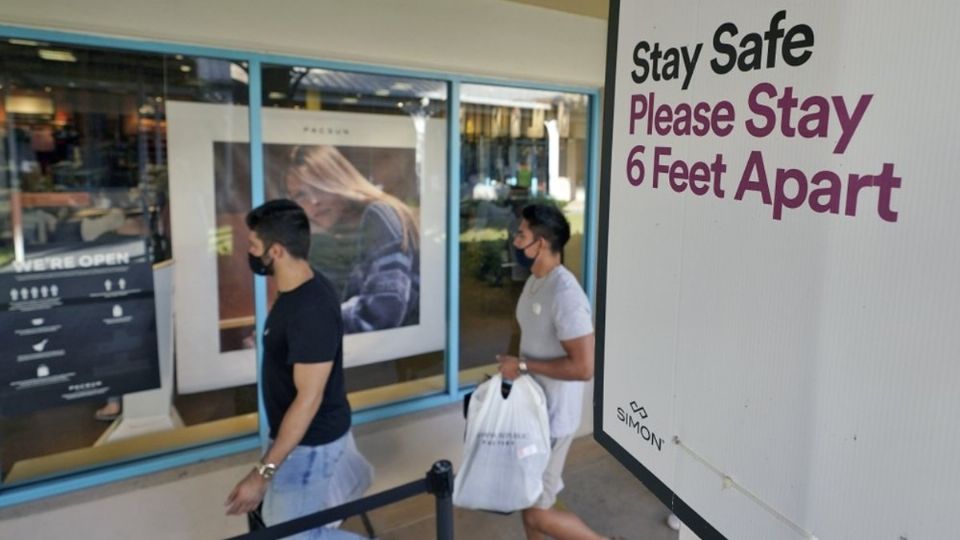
<point>314,478</point>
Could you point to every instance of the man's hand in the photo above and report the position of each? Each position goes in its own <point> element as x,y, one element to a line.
<point>509,366</point>
<point>247,495</point>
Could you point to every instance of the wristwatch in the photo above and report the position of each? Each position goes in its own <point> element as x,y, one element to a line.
<point>522,366</point>
<point>266,470</point>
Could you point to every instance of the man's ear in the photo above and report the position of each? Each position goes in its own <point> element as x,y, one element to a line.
<point>276,251</point>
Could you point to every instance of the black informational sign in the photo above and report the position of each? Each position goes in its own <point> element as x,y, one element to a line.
<point>74,327</point>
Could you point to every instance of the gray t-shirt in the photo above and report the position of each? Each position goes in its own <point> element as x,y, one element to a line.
<point>553,309</point>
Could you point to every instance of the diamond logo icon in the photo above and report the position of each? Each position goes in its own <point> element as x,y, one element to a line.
<point>638,409</point>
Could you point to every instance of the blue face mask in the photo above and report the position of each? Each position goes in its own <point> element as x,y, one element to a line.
<point>522,259</point>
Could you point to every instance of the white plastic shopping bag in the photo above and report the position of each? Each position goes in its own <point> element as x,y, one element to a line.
<point>352,477</point>
<point>507,448</point>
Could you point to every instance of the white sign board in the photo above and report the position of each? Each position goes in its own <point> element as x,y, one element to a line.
<point>779,287</point>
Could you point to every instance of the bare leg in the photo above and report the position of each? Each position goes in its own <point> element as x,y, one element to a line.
<point>558,524</point>
<point>109,411</point>
<point>532,533</point>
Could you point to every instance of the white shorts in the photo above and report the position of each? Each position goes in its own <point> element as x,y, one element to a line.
<point>553,475</point>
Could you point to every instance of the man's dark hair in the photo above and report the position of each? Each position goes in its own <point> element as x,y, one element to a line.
<point>548,222</point>
<point>283,222</point>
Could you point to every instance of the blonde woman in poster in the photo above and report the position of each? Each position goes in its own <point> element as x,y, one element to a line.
<point>381,282</point>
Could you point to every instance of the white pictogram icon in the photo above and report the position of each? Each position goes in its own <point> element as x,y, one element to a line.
<point>39,347</point>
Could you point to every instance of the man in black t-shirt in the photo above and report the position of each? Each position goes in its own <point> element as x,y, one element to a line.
<point>312,462</point>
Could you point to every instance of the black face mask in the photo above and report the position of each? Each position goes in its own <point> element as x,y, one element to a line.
<point>257,266</point>
<point>522,259</point>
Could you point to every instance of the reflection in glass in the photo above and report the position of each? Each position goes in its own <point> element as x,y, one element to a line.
<point>84,169</point>
<point>518,147</point>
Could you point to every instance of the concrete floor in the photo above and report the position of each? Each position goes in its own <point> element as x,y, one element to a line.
<point>187,502</point>
<point>604,494</point>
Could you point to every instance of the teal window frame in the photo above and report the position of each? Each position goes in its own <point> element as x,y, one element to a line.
<point>453,391</point>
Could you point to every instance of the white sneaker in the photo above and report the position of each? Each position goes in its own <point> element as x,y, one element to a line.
<point>673,522</point>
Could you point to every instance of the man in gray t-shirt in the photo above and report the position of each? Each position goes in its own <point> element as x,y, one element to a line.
<point>556,349</point>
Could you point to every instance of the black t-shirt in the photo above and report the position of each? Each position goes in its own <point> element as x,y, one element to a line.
<point>305,326</point>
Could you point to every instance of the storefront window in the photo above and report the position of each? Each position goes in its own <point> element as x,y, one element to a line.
<point>124,183</point>
<point>518,147</point>
<point>365,155</point>
<point>92,259</point>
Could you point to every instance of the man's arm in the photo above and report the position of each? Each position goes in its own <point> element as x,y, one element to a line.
<point>577,365</point>
<point>310,381</point>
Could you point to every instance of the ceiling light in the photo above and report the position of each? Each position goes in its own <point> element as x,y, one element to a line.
<point>56,56</point>
<point>185,68</point>
<point>29,105</point>
<point>383,92</point>
<point>47,89</point>
<point>276,95</point>
<point>401,86</point>
<point>239,74</point>
<point>24,42</point>
<point>350,100</point>
<point>179,57</point>
<point>503,102</point>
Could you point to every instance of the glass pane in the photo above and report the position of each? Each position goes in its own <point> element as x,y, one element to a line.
<point>88,210</point>
<point>518,146</point>
<point>365,155</point>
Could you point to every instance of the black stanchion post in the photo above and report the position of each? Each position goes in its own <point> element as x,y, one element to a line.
<point>440,484</point>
